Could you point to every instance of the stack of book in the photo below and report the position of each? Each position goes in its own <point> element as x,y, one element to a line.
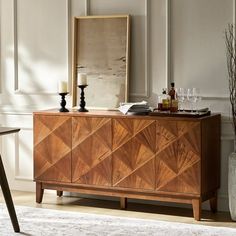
<point>136,108</point>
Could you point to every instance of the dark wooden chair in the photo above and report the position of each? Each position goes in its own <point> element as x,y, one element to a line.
<point>8,199</point>
<point>5,187</point>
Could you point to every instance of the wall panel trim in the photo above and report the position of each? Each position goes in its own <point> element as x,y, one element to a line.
<point>19,110</point>
<point>146,92</point>
<point>17,156</point>
<point>15,40</point>
<point>169,49</point>
<point>168,43</point>
<point>234,10</point>
<point>87,7</point>
<point>17,89</point>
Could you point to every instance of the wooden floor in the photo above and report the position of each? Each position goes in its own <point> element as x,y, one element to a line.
<point>136,210</point>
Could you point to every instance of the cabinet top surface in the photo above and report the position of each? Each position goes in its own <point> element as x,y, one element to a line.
<point>114,114</point>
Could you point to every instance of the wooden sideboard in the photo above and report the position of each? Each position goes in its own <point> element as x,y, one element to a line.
<point>169,159</point>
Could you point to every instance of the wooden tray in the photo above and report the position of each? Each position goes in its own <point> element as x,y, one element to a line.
<point>180,113</point>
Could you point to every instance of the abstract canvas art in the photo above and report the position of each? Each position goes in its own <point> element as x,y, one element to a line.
<point>101,50</point>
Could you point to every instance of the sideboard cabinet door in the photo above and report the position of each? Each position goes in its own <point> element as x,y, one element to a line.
<point>91,151</point>
<point>178,162</point>
<point>52,148</point>
<point>133,159</point>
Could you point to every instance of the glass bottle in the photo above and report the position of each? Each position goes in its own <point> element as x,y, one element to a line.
<point>163,101</point>
<point>173,98</point>
<point>159,102</point>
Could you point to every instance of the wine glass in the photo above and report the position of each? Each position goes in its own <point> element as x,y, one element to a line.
<point>190,98</point>
<point>193,96</point>
<point>181,95</point>
<point>196,99</point>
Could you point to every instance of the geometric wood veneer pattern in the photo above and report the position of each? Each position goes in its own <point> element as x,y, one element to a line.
<point>91,151</point>
<point>134,153</point>
<point>140,146</point>
<point>142,154</point>
<point>145,157</point>
<point>52,148</point>
<point>178,156</point>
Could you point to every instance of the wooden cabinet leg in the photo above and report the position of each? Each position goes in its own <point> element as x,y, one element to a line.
<point>7,196</point>
<point>39,192</point>
<point>197,208</point>
<point>123,202</point>
<point>213,203</point>
<point>59,193</point>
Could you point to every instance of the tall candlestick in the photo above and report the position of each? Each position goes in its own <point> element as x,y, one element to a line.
<point>82,79</point>
<point>82,99</point>
<point>62,87</point>
<point>63,103</point>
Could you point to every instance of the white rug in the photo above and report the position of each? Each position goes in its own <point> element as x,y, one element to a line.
<point>44,222</point>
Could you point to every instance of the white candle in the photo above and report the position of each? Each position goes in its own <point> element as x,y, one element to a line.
<point>62,87</point>
<point>82,79</point>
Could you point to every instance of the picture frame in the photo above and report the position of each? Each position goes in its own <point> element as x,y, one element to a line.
<point>101,48</point>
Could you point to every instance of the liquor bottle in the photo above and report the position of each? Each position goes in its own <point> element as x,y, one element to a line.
<point>173,98</point>
<point>163,102</point>
<point>159,102</point>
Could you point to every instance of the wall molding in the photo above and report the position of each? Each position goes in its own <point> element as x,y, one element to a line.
<point>146,93</point>
<point>215,97</point>
<point>69,45</point>
<point>169,49</point>
<point>15,44</point>
<point>0,48</point>
<point>87,7</point>
<point>20,110</point>
<point>17,89</point>
<point>234,10</point>
<point>227,138</point>
<point>168,43</point>
<point>17,156</point>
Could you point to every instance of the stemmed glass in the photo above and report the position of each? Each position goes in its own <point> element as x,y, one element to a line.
<point>196,99</point>
<point>193,96</point>
<point>181,95</point>
<point>190,98</point>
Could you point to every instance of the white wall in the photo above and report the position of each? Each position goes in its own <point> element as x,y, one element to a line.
<point>180,40</point>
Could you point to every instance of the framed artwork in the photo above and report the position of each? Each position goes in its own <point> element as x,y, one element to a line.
<point>101,50</point>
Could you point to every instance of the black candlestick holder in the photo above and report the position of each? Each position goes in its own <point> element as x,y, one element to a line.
<point>82,99</point>
<point>63,102</point>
